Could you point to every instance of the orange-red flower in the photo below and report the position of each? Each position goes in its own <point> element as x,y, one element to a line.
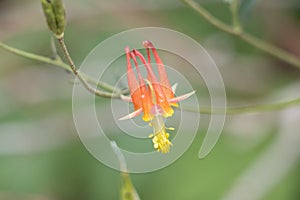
<point>152,96</point>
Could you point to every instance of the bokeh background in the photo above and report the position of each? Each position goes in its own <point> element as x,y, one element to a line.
<point>257,156</point>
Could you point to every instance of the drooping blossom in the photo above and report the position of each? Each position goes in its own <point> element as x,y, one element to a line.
<point>152,96</point>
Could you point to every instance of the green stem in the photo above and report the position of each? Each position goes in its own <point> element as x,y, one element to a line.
<point>81,78</point>
<point>258,43</point>
<point>35,57</point>
<point>234,8</point>
<point>247,109</point>
<point>58,63</point>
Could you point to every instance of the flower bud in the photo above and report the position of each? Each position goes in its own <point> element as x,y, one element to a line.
<point>55,16</point>
<point>128,191</point>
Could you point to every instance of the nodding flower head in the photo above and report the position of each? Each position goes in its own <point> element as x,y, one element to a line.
<point>152,96</point>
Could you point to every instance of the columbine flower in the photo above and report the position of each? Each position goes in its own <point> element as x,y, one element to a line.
<point>151,96</point>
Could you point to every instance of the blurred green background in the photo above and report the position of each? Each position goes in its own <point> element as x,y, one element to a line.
<point>41,156</point>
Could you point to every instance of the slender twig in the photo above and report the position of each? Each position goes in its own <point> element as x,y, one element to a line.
<point>82,80</point>
<point>58,63</point>
<point>258,43</point>
<point>247,109</point>
<point>69,59</point>
<point>35,57</point>
<point>234,9</point>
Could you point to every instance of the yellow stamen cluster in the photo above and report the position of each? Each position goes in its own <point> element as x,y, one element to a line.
<point>161,141</point>
<point>160,137</point>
